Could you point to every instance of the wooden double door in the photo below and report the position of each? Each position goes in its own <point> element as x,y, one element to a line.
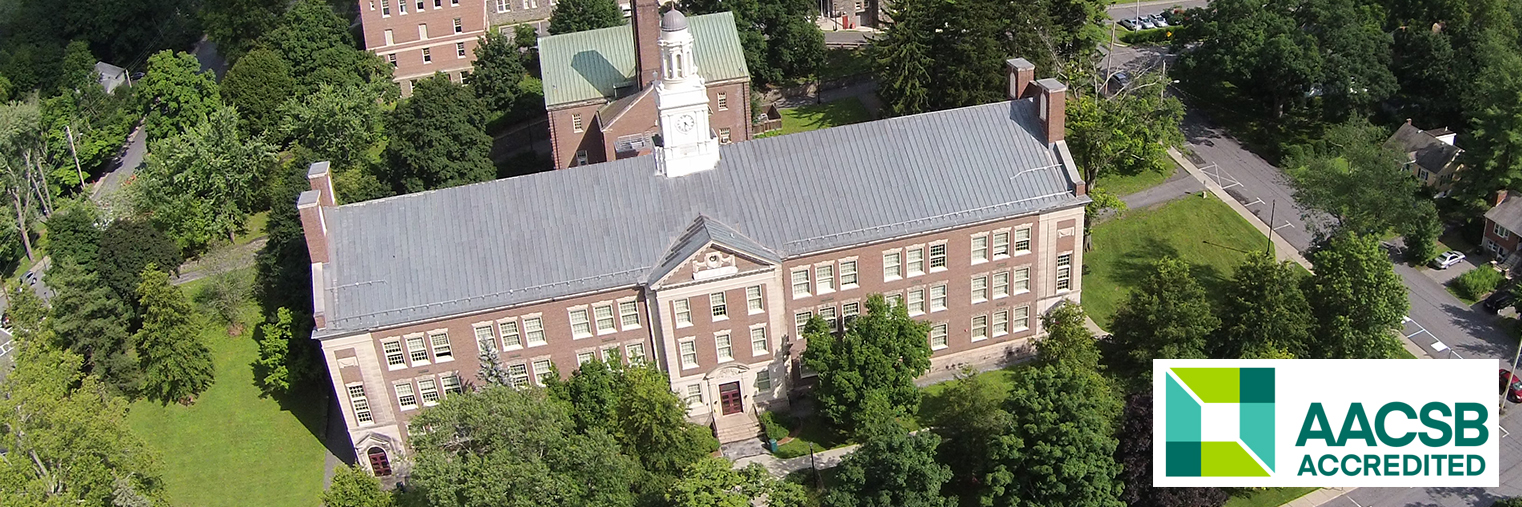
<point>730,400</point>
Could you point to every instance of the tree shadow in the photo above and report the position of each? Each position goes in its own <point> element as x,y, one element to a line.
<point>594,68</point>
<point>845,111</point>
<point>311,401</point>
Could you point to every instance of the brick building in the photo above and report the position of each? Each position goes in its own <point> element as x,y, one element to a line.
<point>423,37</point>
<point>703,259</point>
<point>598,85</point>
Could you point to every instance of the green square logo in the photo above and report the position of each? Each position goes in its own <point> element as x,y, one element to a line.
<point>1191,395</point>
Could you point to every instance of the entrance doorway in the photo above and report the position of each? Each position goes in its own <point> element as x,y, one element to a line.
<point>729,399</point>
<point>378,462</point>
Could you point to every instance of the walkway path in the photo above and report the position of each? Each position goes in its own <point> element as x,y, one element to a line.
<point>1180,185</point>
<point>779,468</point>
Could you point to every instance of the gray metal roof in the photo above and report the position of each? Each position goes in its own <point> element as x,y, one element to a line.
<point>605,226</point>
<point>593,64</point>
<point>1508,214</point>
<point>702,231</point>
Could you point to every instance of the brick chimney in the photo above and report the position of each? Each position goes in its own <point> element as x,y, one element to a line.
<point>645,18</point>
<point>1051,105</point>
<point>311,207</point>
<point>1500,198</point>
<point>1021,73</point>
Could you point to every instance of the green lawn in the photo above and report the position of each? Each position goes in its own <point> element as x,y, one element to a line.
<point>254,229</point>
<point>1127,184</point>
<point>839,62</point>
<point>1203,231</point>
<point>1270,497</point>
<point>830,114</point>
<point>233,447</point>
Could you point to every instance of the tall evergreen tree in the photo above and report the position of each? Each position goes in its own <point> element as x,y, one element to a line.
<point>1357,299</point>
<point>901,57</point>
<point>273,368</point>
<point>582,15</point>
<point>176,364</point>
<point>90,321</point>
<point>127,246</point>
<point>438,138</point>
<point>1167,317</point>
<point>1265,315</point>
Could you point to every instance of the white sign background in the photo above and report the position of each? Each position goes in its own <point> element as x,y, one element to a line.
<point>1336,384</point>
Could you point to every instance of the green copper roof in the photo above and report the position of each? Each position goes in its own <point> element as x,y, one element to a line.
<point>589,65</point>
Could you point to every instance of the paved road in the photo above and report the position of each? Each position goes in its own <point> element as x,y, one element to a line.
<point>1130,10</point>
<point>845,37</point>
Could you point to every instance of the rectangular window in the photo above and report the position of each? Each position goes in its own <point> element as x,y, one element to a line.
<point>635,352</point>
<point>429,390</point>
<point>610,354</point>
<point>979,327</point>
<point>485,339</point>
<point>980,289</point>
<point>1001,244</point>
<point>420,5</point>
<point>441,350</point>
<point>451,384</point>
<point>438,4</point>
<point>848,312</point>
<point>724,136</point>
<point>723,101</point>
<point>891,266</point>
<point>1001,284</point>
<point>405,397</point>
<point>893,299</point>
<point>801,282</point>
<point>628,314</point>
<point>391,58</point>
<point>1065,271</point>
<point>517,375</point>
<point>581,157</point>
<point>828,314</point>
<point>763,380</point>
<point>724,347</point>
<point>916,301</point>
<point>1001,323</point>
<point>979,248</point>
<point>938,339</point>
<point>422,31</point>
<point>717,306</point>
<point>542,370</point>
<point>502,5</point>
<point>510,338</point>
<point>683,312</point>
<point>826,278</point>
<point>1023,240</point>
<point>390,38</point>
<point>800,320</point>
<point>847,274</point>
<point>758,345</point>
<point>455,3</point>
<point>694,394</point>
<point>459,51</point>
<point>394,357</point>
<point>533,330</point>
<point>1501,232</point>
<point>427,57</point>
<point>584,358</point>
<point>753,302</point>
<point>1022,318</point>
<point>401,6</point>
<point>1022,280</point>
<point>360,404</point>
<point>458,27</point>
<point>938,298</point>
<point>576,125</point>
<point>417,351</point>
<point>916,261</point>
<point>581,325</point>
<point>385,8</point>
<point>604,314</point>
<point>689,351</point>
<point>938,256</point>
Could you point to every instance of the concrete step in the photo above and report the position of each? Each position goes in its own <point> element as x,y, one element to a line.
<point>736,427</point>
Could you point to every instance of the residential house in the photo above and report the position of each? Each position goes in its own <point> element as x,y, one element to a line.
<point>704,259</point>
<point>1431,155</point>
<point>599,84</point>
<point>111,76</point>
<point>423,37</point>
<point>1502,224</point>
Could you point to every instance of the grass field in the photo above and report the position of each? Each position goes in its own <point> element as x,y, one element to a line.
<point>830,114</point>
<point>1123,185</point>
<point>1203,231</point>
<point>1271,497</point>
<point>233,447</point>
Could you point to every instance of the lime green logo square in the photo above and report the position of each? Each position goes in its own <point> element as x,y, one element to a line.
<point>1187,454</point>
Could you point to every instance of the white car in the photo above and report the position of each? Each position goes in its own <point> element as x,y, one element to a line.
<point>1146,23</point>
<point>1447,259</point>
<point>1157,19</point>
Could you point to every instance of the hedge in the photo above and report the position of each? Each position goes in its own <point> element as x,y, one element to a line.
<point>1149,36</point>
<point>1476,283</point>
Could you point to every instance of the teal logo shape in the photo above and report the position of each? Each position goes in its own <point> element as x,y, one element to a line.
<point>1187,454</point>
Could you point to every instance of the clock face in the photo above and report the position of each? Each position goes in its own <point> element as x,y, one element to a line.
<point>685,123</point>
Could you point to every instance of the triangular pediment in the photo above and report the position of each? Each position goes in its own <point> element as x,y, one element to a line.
<point>711,249</point>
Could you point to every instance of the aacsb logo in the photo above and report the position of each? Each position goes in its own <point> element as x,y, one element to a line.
<point>1324,423</point>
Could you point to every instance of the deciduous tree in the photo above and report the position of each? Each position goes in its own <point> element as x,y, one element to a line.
<point>714,482</point>
<point>892,469</point>
<point>1357,299</point>
<point>354,487</point>
<point>496,72</point>
<point>257,85</point>
<point>971,417</point>
<point>199,186</point>
<point>437,138</point>
<point>317,45</point>
<point>779,37</point>
<point>339,124</point>
<point>234,25</point>
<point>273,366</point>
<point>1134,453</point>
<point>1060,448</point>
<point>1128,133</point>
<point>582,15</point>
<point>177,94</point>
<point>879,354</point>
<point>1361,185</point>
<point>1068,340</point>
<point>73,234</point>
<point>176,364</point>
<point>1264,314</point>
<point>1168,316</point>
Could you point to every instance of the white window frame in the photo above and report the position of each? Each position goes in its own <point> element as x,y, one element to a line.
<point>1021,243</point>
<point>541,368</point>
<point>914,256</point>
<point>681,312</point>
<point>723,101</point>
<point>417,345</point>
<point>893,298</point>
<point>939,338</point>
<point>979,327</point>
<point>598,317</point>
<point>405,392</point>
<point>937,297</point>
<point>1000,324</point>
<point>442,353</point>
<point>724,136</point>
<point>584,357</point>
<point>459,52</point>
<point>824,278</point>
<point>694,395</point>
<point>755,300</point>
<point>831,317</point>
<point>763,380</point>
<point>801,320</point>
<point>427,56</point>
<point>1500,232</point>
<point>576,124</point>
<point>759,345</point>
<point>980,288</point>
<point>849,277</point>
<point>488,342</point>
<point>531,331</point>
<point>724,347</point>
<point>635,358</point>
<point>581,322</point>
<point>1020,319</point>
<point>428,391</point>
<point>1000,241</point>
<point>459,27</point>
<point>518,375</point>
<point>1022,280</point>
<point>422,31</point>
<point>934,258</point>
<point>1000,284</point>
<point>390,37</point>
<point>360,404</point>
<point>449,383</point>
<point>849,310</point>
<point>916,301</point>
<point>687,350</point>
<point>385,8</point>
<point>893,265</point>
<point>581,157</point>
<point>399,354</point>
<point>980,248</point>
<point>509,328</point>
<point>628,310</point>
<point>504,6</point>
<point>718,306</point>
<point>1064,272</point>
<point>800,279</point>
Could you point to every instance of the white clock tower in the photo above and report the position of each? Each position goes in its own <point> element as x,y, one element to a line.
<point>688,145</point>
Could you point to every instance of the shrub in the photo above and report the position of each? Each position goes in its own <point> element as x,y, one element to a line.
<point>1477,282</point>
<point>776,425</point>
<point>1154,35</point>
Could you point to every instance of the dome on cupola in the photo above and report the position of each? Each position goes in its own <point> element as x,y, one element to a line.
<point>673,21</point>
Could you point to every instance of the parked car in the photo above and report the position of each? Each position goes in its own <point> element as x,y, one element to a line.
<point>1146,24</point>
<point>1501,298</point>
<point>1129,24</point>
<point>1511,385</point>
<point>1447,259</point>
<point>1157,19</point>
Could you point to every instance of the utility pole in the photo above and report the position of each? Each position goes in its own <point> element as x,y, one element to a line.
<point>69,129</point>
<point>1505,393</point>
<point>1272,208</point>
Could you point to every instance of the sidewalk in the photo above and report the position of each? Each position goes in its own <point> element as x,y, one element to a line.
<point>779,468</point>
<point>1319,497</point>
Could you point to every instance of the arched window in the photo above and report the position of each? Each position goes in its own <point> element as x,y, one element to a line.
<point>679,72</point>
<point>378,462</point>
